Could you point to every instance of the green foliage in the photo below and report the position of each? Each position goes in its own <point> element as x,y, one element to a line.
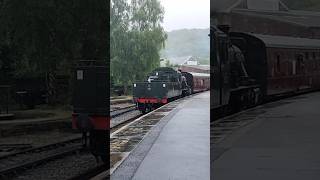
<point>46,33</point>
<point>47,37</point>
<point>187,42</point>
<point>136,39</point>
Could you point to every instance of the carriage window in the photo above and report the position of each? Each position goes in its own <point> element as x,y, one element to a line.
<point>294,67</point>
<point>300,64</point>
<point>314,55</point>
<point>307,55</point>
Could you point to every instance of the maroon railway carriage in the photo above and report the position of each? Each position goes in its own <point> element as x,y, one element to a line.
<point>280,64</point>
<point>201,82</point>
<point>198,82</point>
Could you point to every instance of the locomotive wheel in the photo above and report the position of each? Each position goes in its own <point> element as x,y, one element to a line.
<point>142,107</point>
<point>257,93</point>
<point>99,145</point>
<point>105,159</point>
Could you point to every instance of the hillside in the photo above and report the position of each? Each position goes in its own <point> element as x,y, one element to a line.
<point>187,42</point>
<point>196,42</point>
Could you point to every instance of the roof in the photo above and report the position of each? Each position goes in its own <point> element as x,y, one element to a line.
<point>223,5</point>
<point>303,18</point>
<point>200,74</point>
<point>228,5</point>
<point>201,67</point>
<point>179,60</point>
<point>272,9</point>
<point>164,69</point>
<point>288,42</point>
<point>272,5</point>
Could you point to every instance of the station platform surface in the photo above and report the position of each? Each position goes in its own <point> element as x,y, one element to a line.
<point>283,142</point>
<point>180,151</point>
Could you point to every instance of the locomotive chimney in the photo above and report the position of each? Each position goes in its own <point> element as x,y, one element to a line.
<point>224,28</point>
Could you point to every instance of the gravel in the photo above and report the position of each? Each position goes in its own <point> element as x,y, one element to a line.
<point>61,169</point>
<point>114,107</point>
<point>38,139</point>
<point>64,168</point>
<point>121,119</point>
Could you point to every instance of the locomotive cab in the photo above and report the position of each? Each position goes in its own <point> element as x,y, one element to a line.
<point>233,88</point>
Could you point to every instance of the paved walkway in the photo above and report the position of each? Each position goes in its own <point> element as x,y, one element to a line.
<point>181,151</point>
<point>282,144</point>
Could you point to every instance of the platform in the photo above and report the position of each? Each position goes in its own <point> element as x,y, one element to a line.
<point>282,143</point>
<point>180,150</point>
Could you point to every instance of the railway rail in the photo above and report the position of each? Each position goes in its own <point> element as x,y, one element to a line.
<point>18,162</point>
<point>93,172</point>
<point>118,112</point>
<point>125,139</point>
<point>90,173</point>
<point>13,163</point>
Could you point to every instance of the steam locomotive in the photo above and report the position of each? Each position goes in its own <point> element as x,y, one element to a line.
<point>166,84</point>
<point>91,111</point>
<point>248,68</point>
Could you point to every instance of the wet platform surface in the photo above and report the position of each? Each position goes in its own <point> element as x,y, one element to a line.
<point>283,142</point>
<point>180,150</point>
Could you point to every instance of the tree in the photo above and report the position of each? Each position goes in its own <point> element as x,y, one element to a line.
<point>136,39</point>
<point>49,36</point>
<point>119,31</point>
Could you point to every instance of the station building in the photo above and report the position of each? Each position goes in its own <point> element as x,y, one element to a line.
<point>270,17</point>
<point>191,64</point>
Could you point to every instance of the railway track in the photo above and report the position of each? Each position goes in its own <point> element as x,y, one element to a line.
<point>123,140</point>
<point>14,163</point>
<point>118,112</point>
<point>91,173</point>
<point>122,116</point>
<point>18,162</point>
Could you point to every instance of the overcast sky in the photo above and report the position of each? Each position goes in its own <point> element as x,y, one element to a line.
<point>180,14</point>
